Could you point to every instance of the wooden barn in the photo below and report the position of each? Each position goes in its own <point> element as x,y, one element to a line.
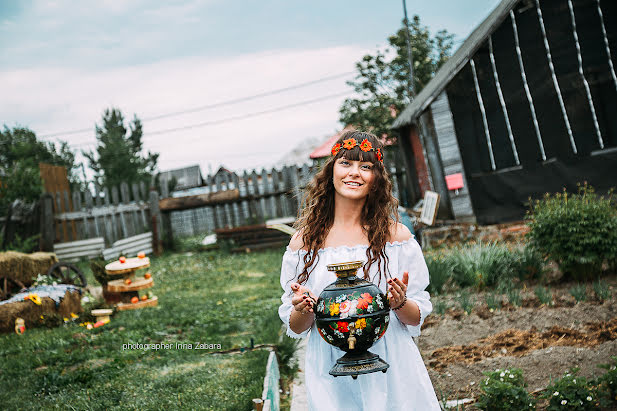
<point>527,105</point>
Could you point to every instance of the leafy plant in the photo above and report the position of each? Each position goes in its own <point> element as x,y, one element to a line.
<point>504,389</point>
<point>493,301</point>
<point>570,392</point>
<point>440,307</point>
<point>577,231</point>
<point>24,245</point>
<point>514,297</point>
<point>601,290</point>
<point>544,295</point>
<point>465,302</point>
<point>579,292</point>
<point>606,385</point>
<point>440,271</point>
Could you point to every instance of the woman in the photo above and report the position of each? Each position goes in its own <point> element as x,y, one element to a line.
<point>347,217</point>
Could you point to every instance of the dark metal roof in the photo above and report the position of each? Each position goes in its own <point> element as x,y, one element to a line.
<point>454,64</point>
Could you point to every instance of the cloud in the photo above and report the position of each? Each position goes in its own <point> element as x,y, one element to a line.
<point>50,100</point>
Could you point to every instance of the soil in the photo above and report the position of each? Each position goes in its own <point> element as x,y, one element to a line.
<point>544,341</point>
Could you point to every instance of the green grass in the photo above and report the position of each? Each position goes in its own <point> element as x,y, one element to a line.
<point>211,297</point>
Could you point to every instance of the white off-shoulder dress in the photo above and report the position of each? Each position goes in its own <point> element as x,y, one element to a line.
<point>406,385</point>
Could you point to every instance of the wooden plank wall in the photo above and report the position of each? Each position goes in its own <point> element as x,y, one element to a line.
<point>450,155</point>
<point>112,214</point>
<point>55,179</point>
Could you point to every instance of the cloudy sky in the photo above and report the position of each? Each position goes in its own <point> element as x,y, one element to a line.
<point>173,64</point>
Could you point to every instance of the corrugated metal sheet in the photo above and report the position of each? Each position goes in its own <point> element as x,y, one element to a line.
<point>187,177</point>
<point>454,64</point>
<point>130,247</point>
<point>75,250</point>
<point>450,154</point>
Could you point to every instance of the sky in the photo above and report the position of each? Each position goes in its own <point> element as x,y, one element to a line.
<point>182,66</point>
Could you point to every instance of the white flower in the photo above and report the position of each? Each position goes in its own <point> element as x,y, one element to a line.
<point>502,374</point>
<point>359,331</point>
<point>511,375</point>
<point>556,393</point>
<point>589,398</point>
<point>574,381</point>
<point>564,402</point>
<point>345,314</point>
<point>387,318</point>
<point>369,309</point>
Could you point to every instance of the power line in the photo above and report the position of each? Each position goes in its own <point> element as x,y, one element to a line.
<point>215,105</point>
<point>234,118</point>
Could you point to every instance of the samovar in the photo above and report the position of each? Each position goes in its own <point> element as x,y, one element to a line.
<point>352,314</point>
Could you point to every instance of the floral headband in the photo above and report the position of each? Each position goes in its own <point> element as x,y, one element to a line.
<point>350,143</point>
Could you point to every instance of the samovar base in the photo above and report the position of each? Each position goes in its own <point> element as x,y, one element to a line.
<point>354,364</point>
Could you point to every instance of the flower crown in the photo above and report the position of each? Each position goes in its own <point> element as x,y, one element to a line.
<point>350,143</point>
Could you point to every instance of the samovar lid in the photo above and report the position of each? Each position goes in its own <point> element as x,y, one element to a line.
<point>352,265</point>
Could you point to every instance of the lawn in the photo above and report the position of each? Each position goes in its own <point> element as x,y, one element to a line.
<point>209,298</point>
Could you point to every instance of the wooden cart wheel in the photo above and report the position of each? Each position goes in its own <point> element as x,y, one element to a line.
<point>9,287</point>
<point>67,273</point>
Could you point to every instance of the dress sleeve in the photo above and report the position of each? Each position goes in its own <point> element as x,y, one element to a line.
<point>411,260</point>
<point>289,275</point>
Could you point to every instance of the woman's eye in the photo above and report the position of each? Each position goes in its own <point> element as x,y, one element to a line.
<point>367,167</point>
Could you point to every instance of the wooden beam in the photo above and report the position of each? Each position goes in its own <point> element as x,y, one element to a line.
<point>201,200</point>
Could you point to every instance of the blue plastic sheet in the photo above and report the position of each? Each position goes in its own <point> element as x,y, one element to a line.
<point>55,292</point>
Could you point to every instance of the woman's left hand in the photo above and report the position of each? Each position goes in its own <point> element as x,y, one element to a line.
<point>397,290</point>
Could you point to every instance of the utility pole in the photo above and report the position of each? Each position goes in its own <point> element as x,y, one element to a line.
<point>409,55</point>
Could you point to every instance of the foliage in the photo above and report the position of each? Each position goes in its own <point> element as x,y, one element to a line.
<point>606,385</point>
<point>209,298</point>
<point>570,392</point>
<point>504,389</point>
<point>601,290</point>
<point>440,307</point>
<point>20,155</point>
<point>285,350</point>
<point>577,231</point>
<point>440,271</point>
<point>579,292</point>
<point>24,245</point>
<point>119,155</point>
<point>493,302</point>
<point>545,296</point>
<point>514,296</point>
<point>465,302</point>
<point>383,80</point>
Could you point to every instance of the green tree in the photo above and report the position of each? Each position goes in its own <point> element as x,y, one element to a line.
<point>383,80</point>
<point>118,156</point>
<point>20,155</point>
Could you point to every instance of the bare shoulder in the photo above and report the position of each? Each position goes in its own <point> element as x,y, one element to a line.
<point>399,232</point>
<point>296,243</point>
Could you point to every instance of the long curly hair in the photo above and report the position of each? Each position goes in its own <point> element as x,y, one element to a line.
<point>317,214</point>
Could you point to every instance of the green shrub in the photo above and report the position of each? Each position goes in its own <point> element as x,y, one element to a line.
<point>440,307</point>
<point>493,301</point>
<point>607,385</point>
<point>544,295</point>
<point>577,231</point>
<point>579,292</point>
<point>514,297</point>
<point>505,390</point>
<point>440,271</point>
<point>570,392</point>
<point>464,300</point>
<point>601,290</point>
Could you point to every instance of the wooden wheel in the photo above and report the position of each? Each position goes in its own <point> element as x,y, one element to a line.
<point>67,273</point>
<point>9,287</point>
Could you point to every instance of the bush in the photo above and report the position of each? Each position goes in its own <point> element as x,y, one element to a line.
<point>601,290</point>
<point>514,297</point>
<point>464,300</point>
<point>577,231</point>
<point>440,307</point>
<point>544,295</point>
<point>570,392</point>
<point>579,292</point>
<point>493,302</point>
<point>440,271</point>
<point>505,390</point>
<point>607,385</point>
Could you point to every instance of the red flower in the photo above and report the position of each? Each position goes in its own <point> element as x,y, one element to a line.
<point>349,143</point>
<point>342,326</point>
<point>362,304</point>
<point>379,156</point>
<point>366,145</point>
<point>367,297</point>
<point>336,148</point>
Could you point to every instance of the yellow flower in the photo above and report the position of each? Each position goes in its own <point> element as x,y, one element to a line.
<point>334,309</point>
<point>66,320</point>
<point>361,323</point>
<point>34,298</point>
<point>73,315</point>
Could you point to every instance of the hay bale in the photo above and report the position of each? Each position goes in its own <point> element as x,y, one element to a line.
<point>25,267</point>
<point>31,312</point>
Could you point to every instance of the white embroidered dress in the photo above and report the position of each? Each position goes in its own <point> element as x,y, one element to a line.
<point>406,385</point>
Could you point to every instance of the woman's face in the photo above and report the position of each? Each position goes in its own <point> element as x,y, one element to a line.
<point>352,179</point>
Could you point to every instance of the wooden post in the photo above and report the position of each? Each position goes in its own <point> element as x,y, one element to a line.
<point>77,206</point>
<point>69,207</point>
<point>155,217</point>
<point>276,199</point>
<point>130,217</point>
<point>48,234</point>
<point>221,208</point>
<point>112,228</point>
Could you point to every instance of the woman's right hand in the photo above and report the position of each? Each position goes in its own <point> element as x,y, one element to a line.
<point>303,299</point>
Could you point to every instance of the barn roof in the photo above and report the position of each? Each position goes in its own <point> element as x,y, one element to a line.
<point>451,67</point>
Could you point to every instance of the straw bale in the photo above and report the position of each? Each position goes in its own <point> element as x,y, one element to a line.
<point>25,267</point>
<point>31,313</point>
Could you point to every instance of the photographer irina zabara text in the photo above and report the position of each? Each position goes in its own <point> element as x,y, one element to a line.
<point>174,346</point>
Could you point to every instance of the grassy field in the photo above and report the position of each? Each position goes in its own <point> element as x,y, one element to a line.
<point>209,297</point>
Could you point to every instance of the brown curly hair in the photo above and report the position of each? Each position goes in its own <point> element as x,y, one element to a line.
<point>316,216</point>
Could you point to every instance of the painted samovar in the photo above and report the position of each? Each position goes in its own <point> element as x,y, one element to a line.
<point>352,314</point>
